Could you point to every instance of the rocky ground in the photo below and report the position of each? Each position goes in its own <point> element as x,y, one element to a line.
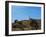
<point>26,25</point>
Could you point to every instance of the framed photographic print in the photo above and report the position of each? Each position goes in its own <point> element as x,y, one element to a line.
<point>24,18</point>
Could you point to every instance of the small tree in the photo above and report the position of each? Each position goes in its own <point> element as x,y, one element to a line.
<point>16,21</point>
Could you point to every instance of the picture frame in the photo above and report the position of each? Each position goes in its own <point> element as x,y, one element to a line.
<point>8,26</point>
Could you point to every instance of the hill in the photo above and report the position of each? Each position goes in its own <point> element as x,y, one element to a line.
<point>31,24</point>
